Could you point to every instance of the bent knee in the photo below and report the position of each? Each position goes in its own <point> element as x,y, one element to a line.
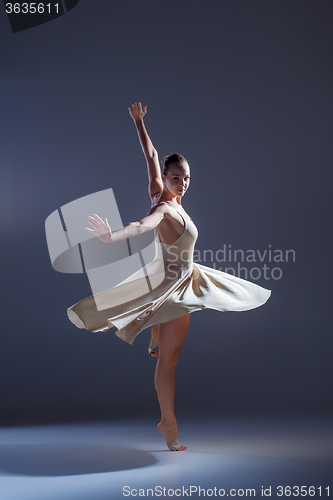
<point>170,358</point>
<point>176,354</point>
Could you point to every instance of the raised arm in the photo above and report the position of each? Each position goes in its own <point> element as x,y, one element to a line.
<point>103,231</point>
<point>151,155</point>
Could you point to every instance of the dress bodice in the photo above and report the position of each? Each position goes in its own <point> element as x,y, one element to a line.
<point>178,257</point>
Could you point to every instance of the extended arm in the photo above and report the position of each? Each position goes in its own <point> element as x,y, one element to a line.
<point>103,231</point>
<point>151,155</point>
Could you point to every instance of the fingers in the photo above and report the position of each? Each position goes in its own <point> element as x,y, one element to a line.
<point>137,105</point>
<point>90,230</point>
<point>136,111</point>
<point>92,221</point>
<point>98,221</point>
<point>95,222</point>
<point>98,218</point>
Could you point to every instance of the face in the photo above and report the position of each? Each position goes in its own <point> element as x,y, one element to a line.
<point>177,179</point>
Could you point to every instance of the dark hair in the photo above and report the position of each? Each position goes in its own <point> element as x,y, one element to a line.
<point>173,158</point>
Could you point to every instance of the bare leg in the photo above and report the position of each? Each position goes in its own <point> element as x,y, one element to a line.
<point>171,337</point>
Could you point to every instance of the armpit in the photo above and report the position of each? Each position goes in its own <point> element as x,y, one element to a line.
<point>155,199</point>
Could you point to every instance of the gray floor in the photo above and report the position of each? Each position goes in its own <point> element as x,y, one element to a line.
<point>96,461</point>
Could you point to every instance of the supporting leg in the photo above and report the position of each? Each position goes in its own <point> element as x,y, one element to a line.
<point>171,338</point>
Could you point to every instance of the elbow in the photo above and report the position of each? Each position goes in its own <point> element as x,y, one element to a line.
<point>143,227</point>
<point>151,153</point>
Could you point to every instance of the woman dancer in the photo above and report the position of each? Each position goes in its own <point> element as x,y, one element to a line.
<point>182,286</point>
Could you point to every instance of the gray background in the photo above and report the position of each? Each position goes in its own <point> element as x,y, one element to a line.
<point>243,89</point>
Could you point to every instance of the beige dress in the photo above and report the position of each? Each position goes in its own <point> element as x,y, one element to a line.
<point>172,286</point>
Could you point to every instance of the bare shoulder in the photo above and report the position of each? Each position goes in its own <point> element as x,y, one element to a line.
<point>160,207</point>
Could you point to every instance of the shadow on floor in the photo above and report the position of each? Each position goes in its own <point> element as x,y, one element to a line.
<point>70,459</point>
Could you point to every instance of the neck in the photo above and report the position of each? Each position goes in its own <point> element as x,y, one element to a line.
<point>170,198</point>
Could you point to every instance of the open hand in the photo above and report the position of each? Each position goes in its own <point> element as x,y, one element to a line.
<point>136,111</point>
<point>101,228</point>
